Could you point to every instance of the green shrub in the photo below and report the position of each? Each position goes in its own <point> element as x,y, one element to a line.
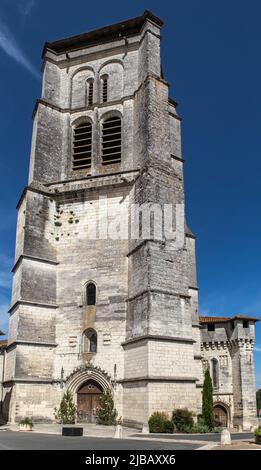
<point>217,429</point>
<point>106,414</point>
<point>159,422</point>
<point>183,420</point>
<point>66,413</point>
<point>187,428</point>
<point>200,428</point>
<point>258,431</point>
<point>26,422</point>
<point>169,427</point>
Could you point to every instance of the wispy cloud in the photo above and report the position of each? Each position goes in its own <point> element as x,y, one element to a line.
<point>26,6</point>
<point>257,348</point>
<point>243,299</point>
<point>9,45</point>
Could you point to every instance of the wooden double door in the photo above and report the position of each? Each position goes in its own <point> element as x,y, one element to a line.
<point>220,414</point>
<point>88,401</point>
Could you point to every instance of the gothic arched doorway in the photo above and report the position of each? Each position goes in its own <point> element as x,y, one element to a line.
<point>221,416</point>
<point>88,399</point>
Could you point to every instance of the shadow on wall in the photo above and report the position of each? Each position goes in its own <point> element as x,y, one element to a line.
<point>5,404</point>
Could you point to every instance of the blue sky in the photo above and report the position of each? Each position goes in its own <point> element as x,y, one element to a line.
<point>211,57</point>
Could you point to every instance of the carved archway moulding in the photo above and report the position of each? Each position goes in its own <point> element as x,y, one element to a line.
<point>219,401</point>
<point>80,375</point>
<point>226,406</point>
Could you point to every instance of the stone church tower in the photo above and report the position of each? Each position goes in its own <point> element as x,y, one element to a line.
<point>91,310</point>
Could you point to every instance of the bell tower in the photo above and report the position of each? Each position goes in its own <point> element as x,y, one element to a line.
<point>106,143</point>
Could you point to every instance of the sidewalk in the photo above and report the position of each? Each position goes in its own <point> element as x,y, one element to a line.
<point>89,429</point>
<point>240,445</point>
<point>206,442</point>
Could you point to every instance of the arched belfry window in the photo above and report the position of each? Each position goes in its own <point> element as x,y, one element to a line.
<point>90,341</point>
<point>214,364</point>
<point>91,294</point>
<point>82,146</point>
<point>90,92</point>
<point>111,140</point>
<point>104,89</point>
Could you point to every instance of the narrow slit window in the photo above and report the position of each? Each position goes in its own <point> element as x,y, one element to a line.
<point>82,146</point>
<point>111,140</point>
<point>91,294</point>
<point>90,93</point>
<point>215,372</point>
<point>105,90</point>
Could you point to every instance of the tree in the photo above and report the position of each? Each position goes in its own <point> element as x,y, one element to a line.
<point>207,402</point>
<point>258,400</point>
<point>106,413</point>
<point>66,413</point>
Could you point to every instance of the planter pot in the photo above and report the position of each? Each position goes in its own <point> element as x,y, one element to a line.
<point>258,439</point>
<point>25,427</point>
<point>71,430</point>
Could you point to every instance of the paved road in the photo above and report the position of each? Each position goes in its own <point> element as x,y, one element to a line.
<point>10,440</point>
<point>215,437</point>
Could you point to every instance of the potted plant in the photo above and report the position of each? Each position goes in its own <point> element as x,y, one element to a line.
<point>66,415</point>
<point>26,424</point>
<point>258,435</point>
<point>106,413</point>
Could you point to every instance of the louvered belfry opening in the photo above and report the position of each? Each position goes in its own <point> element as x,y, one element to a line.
<point>111,140</point>
<point>82,146</point>
<point>90,94</point>
<point>105,90</point>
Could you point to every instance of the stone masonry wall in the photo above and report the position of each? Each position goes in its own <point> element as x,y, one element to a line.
<point>143,289</point>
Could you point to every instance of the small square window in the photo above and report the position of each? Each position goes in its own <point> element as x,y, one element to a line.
<point>245,324</point>
<point>211,327</point>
